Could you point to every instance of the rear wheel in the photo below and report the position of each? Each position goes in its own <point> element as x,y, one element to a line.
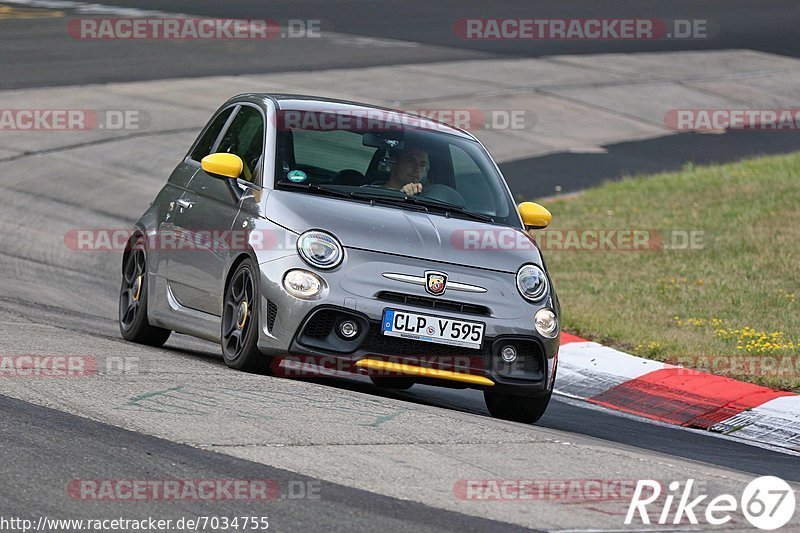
<point>392,383</point>
<point>133,323</point>
<point>240,321</point>
<point>525,409</point>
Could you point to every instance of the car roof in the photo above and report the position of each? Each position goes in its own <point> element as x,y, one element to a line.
<point>300,102</point>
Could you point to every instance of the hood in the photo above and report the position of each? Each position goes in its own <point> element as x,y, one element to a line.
<point>399,231</point>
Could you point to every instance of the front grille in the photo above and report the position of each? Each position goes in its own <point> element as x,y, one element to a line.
<point>433,303</point>
<point>272,313</point>
<point>318,334</point>
<point>379,343</point>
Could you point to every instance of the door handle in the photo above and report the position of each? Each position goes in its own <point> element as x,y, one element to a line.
<point>185,204</point>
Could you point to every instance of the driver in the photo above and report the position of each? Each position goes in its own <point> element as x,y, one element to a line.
<point>412,165</point>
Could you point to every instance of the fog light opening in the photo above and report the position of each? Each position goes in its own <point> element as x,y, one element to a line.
<point>508,353</point>
<point>348,329</point>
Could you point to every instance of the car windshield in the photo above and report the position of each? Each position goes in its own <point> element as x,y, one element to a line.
<point>411,168</point>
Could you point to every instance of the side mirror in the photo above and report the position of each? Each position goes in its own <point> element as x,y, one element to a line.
<point>534,216</point>
<point>222,165</point>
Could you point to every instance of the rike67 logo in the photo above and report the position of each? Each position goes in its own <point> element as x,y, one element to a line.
<point>767,503</point>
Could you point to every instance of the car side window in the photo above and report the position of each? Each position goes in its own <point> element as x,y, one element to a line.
<point>206,142</point>
<point>245,138</point>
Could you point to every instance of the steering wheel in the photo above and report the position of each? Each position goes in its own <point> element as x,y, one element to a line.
<point>444,193</point>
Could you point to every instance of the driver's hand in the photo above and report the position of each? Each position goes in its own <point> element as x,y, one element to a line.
<point>411,189</point>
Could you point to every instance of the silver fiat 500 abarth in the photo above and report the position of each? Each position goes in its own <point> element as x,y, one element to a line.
<point>307,231</point>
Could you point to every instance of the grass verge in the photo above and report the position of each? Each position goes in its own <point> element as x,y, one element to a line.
<point>716,287</point>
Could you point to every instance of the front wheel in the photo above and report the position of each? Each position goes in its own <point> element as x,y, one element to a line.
<point>240,321</point>
<point>133,324</point>
<point>525,409</point>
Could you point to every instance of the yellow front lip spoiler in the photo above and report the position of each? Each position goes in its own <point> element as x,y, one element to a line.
<point>421,371</point>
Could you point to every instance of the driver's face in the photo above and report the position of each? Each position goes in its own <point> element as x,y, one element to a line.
<point>411,165</point>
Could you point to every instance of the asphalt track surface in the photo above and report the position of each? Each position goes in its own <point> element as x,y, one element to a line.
<point>38,52</point>
<point>35,488</point>
<point>62,302</point>
<point>767,26</point>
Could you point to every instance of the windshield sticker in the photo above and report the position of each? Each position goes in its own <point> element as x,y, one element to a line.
<point>296,176</point>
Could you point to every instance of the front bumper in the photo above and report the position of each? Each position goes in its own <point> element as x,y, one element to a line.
<point>357,290</point>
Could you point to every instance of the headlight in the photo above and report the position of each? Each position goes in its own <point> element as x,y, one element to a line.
<point>320,249</point>
<point>531,282</point>
<point>302,284</point>
<point>546,322</point>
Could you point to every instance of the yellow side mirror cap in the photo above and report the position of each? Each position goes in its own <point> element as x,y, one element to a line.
<point>222,165</point>
<point>534,216</point>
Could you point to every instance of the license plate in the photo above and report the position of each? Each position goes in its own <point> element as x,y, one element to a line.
<point>432,329</point>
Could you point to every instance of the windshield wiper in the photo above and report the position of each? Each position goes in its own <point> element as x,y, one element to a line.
<point>446,206</point>
<point>355,195</point>
<point>414,202</point>
<point>391,199</point>
<point>319,189</point>
<point>425,203</point>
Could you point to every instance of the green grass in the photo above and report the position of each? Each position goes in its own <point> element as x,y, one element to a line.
<point>736,297</point>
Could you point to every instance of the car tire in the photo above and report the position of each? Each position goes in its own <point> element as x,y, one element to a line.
<point>392,383</point>
<point>525,409</point>
<point>133,324</point>
<point>240,319</point>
